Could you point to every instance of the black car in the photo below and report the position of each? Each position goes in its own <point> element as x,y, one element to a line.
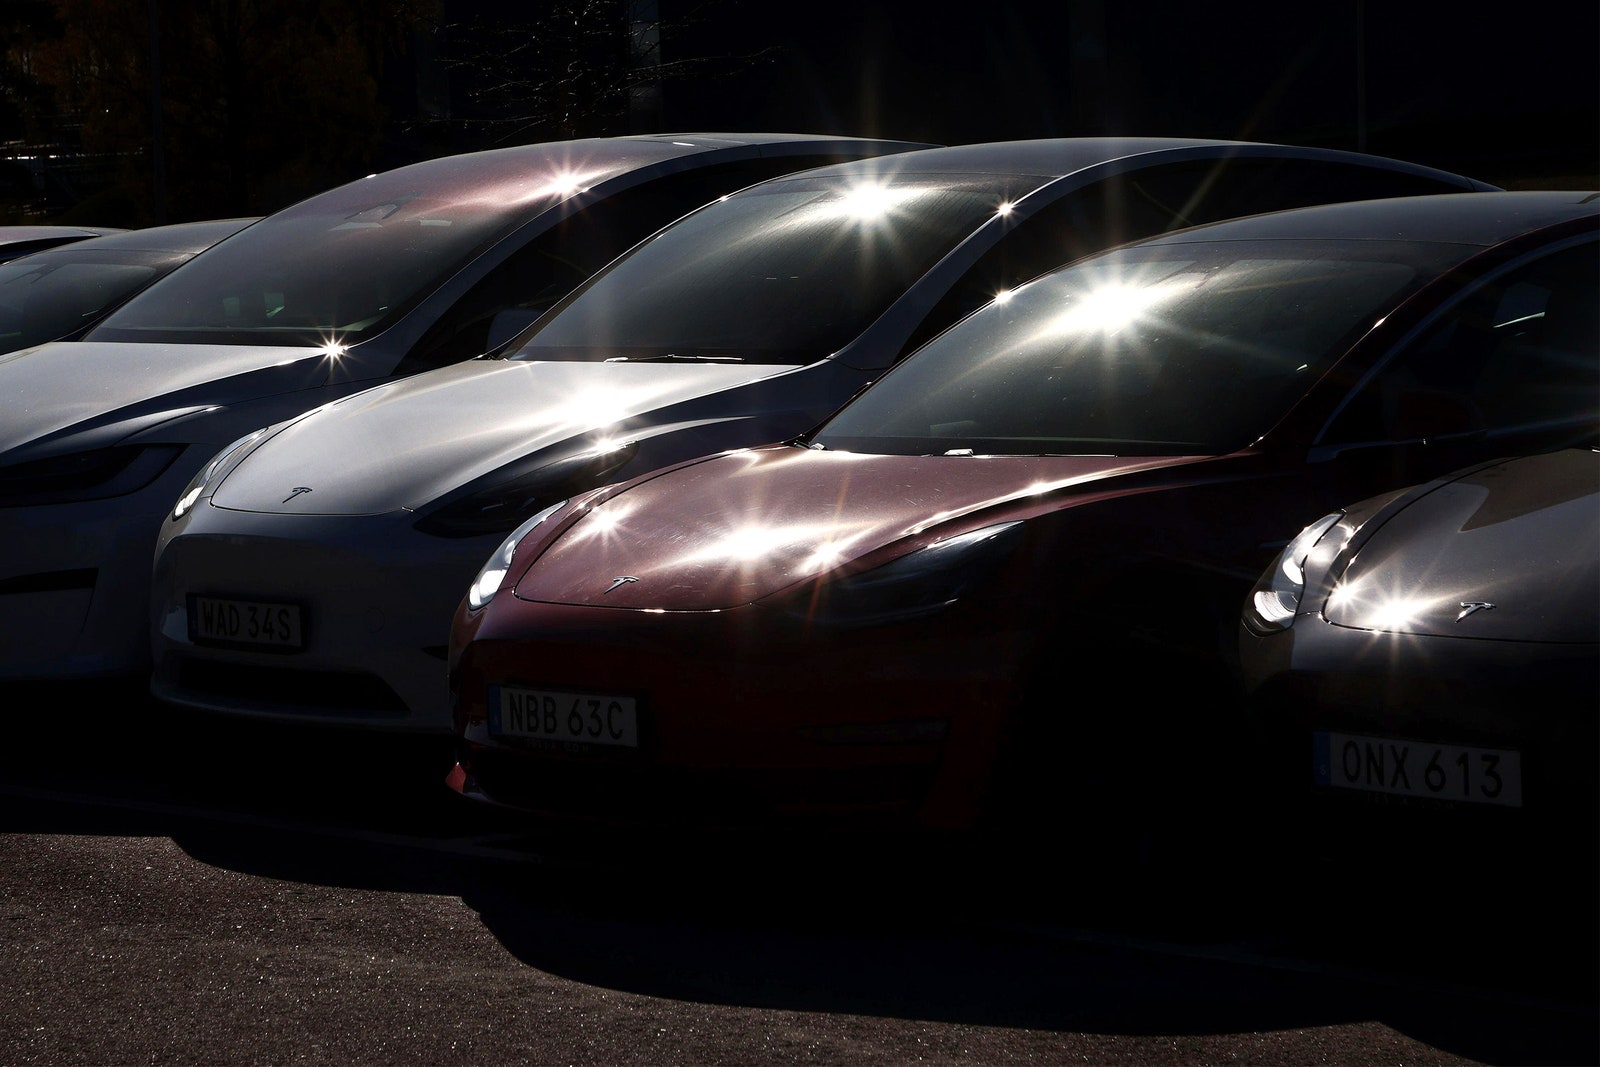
<point>57,294</point>
<point>24,240</point>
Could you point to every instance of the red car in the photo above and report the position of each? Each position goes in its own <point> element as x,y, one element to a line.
<point>1005,579</point>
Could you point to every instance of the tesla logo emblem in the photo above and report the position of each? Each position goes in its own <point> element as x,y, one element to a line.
<point>1470,606</point>
<point>296,491</point>
<point>620,581</point>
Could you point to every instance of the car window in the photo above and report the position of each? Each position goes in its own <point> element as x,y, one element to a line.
<point>42,299</point>
<point>788,272</point>
<point>1518,355</point>
<point>314,278</point>
<point>1191,349</point>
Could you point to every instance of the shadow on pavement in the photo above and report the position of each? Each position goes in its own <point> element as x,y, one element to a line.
<point>987,949</point>
<point>992,940</point>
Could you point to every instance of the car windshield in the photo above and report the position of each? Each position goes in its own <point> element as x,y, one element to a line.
<point>51,294</point>
<point>343,265</point>
<point>786,272</point>
<point>1190,349</point>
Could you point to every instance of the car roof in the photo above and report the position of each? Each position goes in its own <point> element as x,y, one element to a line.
<point>1058,157</point>
<point>550,170</point>
<point>20,240</point>
<point>1480,220</point>
<point>14,234</point>
<point>767,140</point>
<point>176,237</point>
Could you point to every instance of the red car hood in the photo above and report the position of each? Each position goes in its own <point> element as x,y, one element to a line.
<point>735,528</point>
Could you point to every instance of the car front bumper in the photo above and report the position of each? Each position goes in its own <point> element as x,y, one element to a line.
<point>745,718</point>
<point>375,599</point>
<point>1319,693</point>
<point>75,581</point>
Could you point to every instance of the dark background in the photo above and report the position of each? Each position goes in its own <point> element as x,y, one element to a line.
<point>263,102</point>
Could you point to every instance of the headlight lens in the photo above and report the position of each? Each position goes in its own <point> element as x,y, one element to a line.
<point>211,473</point>
<point>487,583</point>
<point>918,583</point>
<point>1275,601</point>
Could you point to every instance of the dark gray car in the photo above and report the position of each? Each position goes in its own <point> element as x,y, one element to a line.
<point>1424,671</point>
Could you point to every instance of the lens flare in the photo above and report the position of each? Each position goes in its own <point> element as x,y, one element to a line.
<point>1108,309</point>
<point>563,185</point>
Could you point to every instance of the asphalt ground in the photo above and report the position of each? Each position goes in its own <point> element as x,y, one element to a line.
<point>178,888</point>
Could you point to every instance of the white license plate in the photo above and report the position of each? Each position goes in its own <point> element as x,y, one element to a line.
<point>563,715</point>
<point>1417,768</point>
<point>213,620</point>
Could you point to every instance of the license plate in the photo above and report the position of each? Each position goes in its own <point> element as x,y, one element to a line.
<point>563,715</point>
<point>1417,768</point>
<point>216,621</point>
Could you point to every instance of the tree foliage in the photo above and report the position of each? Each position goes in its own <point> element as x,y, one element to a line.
<point>261,101</point>
<point>580,68</point>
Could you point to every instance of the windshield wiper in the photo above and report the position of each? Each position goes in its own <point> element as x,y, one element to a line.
<point>676,357</point>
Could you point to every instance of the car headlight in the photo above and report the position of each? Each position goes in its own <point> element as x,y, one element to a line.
<point>1275,600</point>
<point>487,583</point>
<point>213,471</point>
<point>918,583</point>
<point>92,475</point>
<point>511,494</point>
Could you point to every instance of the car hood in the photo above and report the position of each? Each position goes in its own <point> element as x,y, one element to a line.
<point>107,390</point>
<point>1504,553</point>
<point>404,444</point>
<point>732,529</point>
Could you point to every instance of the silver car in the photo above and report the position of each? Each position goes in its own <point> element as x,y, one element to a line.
<point>399,272</point>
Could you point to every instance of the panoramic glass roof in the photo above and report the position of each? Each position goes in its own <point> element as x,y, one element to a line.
<point>785,272</point>
<point>1171,349</point>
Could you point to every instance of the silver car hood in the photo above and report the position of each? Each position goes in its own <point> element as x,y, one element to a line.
<point>98,392</point>
<point>406,443</point>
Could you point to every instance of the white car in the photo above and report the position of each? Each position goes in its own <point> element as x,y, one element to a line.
<point>312,571</point>
<point>399,272</point>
